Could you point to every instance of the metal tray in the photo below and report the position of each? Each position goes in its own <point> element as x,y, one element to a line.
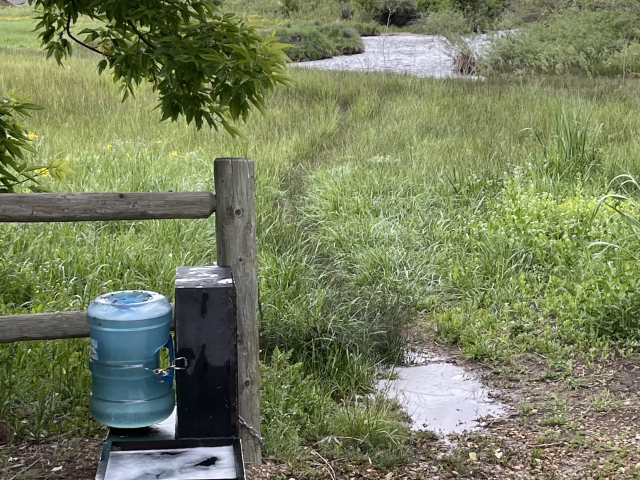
<point>154,453</point>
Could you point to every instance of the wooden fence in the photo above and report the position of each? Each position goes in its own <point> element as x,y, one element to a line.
<point>233,204</point>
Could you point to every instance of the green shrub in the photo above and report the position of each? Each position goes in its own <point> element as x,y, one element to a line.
<point>628,58</point>
<point>368,7</point>
<point>433,6</point>
<point>607,306</point>
<point>346,39</point>
<point>397,12</point>
<point>389,12</point>
<point>528,11</point>
<point>566,43</point>
<point>446,22</point>
<point>367,28</point>
<point>17,169</point>
<point>526,280</point>
<point>462,54</point>
<point>481,13</point>
<point>275,10</point>
<point>309,41</point>
<point>306,43</point>
<point>287,7</point>
<point>347,12</point>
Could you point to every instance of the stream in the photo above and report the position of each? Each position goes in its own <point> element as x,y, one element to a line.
<point>420,55</point>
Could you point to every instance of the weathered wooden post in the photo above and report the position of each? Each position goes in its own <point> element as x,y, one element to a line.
<point>236,248</point>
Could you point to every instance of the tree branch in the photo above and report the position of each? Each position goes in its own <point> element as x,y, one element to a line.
<point>140,35</point>
<point>89,47</point>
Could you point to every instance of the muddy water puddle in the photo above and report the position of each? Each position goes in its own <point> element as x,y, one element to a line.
<point>441,397</point>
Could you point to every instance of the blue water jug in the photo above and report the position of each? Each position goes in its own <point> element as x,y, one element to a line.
<point>128,329</point>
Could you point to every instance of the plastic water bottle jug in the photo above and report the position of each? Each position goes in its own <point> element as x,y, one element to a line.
<point>128,329</point>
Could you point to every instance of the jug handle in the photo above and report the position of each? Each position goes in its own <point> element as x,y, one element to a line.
<point>168,376</point>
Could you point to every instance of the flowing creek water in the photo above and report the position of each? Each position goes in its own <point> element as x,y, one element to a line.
<point>441,397</point>
<point>420,55</point>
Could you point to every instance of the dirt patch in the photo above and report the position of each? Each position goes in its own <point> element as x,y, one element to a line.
<point>65,459</point>
<point>267,471</point>
<point>576,422</point>
<point>566,420</point>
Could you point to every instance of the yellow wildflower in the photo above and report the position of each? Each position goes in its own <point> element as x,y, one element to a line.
<point>67,159</point>
<point>32,136</point>
<point>174,153</point>
<point>128,155</point>
<point>42,171</point>
<point>109,147</point>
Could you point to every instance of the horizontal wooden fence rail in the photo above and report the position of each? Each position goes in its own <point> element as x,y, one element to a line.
<point>78,207</point>
<point>46,326</point>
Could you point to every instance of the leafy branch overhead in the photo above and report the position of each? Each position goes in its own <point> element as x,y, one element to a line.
<point>208,66</point>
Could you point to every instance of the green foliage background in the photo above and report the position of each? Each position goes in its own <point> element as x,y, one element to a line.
<point>464,210</point>
<point>590,40</point>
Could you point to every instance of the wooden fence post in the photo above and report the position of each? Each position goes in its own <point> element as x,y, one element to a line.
<point>236,248</point>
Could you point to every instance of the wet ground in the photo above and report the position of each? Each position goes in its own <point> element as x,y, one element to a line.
<point>442,397</point>
<point>420,55</point>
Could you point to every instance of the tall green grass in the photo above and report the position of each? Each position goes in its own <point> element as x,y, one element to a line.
<point>381,199</point>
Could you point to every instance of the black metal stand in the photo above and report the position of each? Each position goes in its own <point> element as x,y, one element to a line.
<point>206,338</point>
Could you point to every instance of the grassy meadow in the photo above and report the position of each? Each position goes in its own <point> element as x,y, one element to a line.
<point>386,204</point>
